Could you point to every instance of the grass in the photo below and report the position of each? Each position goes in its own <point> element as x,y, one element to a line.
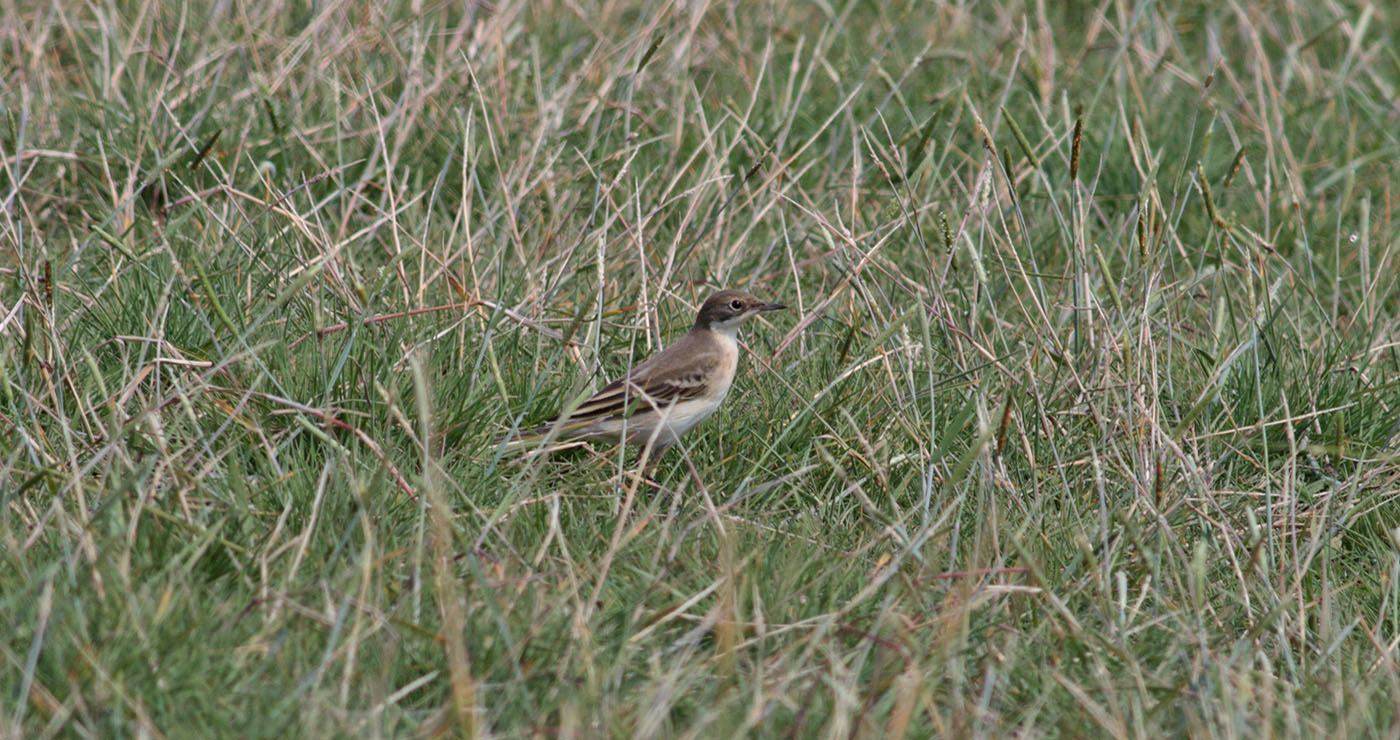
<point>1084,419</point>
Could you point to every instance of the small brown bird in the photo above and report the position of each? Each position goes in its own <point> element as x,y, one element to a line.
<point>668,394</point>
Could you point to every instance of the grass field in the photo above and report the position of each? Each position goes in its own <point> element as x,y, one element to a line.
<point>1083,420</point>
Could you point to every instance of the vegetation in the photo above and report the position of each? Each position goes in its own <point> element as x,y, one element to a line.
<point>1083,421</point>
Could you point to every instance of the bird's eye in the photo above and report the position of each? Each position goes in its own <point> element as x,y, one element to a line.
<point>736,304</point>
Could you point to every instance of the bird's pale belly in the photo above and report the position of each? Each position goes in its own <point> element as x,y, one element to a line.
<point>673,421</point>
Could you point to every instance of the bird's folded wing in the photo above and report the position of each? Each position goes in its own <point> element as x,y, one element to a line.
<point>646,389</point>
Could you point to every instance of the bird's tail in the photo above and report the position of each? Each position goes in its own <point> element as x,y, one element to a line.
<point>538,438</point>
<point>522,441</point>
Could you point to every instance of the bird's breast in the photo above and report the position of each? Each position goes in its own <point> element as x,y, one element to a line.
<point>728,365</point>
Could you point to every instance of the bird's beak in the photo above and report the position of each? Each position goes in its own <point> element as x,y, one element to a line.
<point>771,307</point>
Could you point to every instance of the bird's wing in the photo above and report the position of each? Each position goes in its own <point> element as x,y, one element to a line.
<point>678,374</point>
<point>654,384</point>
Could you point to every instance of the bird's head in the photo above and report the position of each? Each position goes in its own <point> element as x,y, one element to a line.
<point>727,309</point>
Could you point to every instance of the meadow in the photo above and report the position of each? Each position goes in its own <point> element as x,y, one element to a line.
<point>1083,419</point>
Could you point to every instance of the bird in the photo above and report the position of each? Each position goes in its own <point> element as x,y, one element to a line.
<point>670,393</point>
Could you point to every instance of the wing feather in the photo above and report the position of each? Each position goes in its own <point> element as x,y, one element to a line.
<point>645,388</point>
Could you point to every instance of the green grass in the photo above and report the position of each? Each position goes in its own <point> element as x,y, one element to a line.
<point>1083,421</point>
